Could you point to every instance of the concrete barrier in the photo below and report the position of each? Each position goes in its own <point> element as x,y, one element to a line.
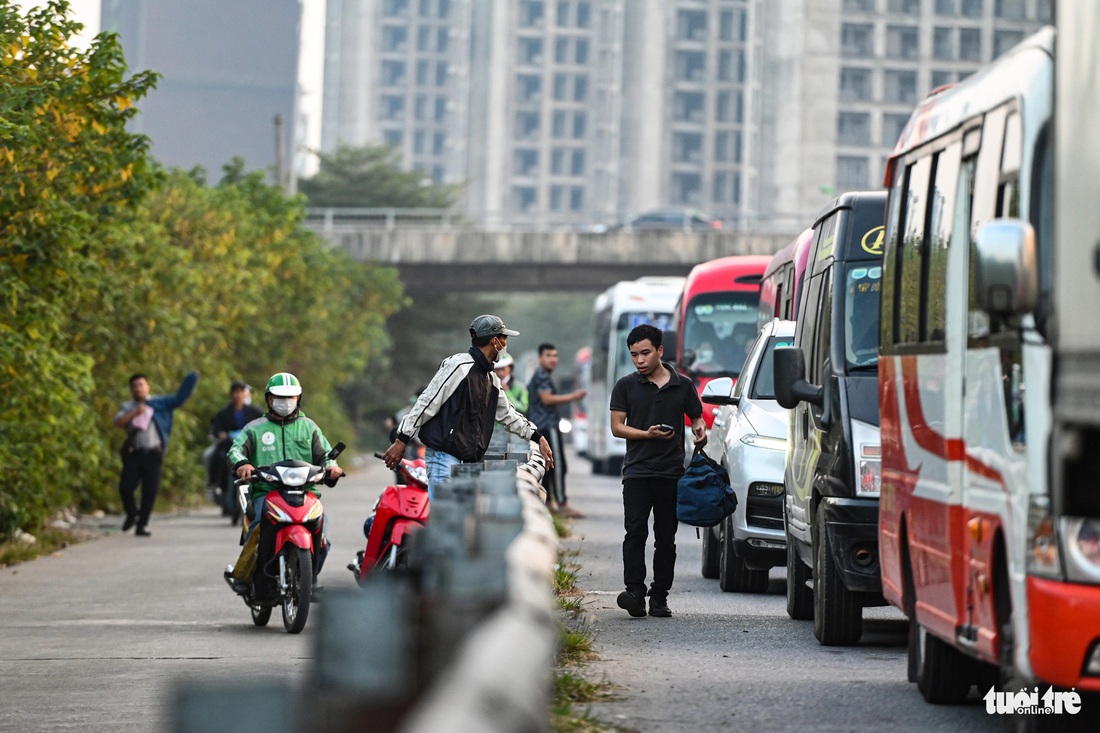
<point>463,640</point>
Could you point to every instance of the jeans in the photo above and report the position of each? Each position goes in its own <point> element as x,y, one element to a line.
<point>640,497</point>
<point>439,468</point>
<point>554,479</point>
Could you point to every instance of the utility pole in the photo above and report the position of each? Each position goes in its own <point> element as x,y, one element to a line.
<point>280,153</point>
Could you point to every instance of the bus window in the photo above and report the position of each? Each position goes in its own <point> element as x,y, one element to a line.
<point>718,329</point>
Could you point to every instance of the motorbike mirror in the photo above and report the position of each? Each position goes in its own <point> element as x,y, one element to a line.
<point>336,450</point>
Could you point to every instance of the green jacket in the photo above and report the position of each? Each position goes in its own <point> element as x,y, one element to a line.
<point>517,395</point>
<point>271,439</point>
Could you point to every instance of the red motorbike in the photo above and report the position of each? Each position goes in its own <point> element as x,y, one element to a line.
<point>401,510</point>
<point>290,536</point>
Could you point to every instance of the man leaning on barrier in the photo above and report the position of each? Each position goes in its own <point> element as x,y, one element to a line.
<point>455,413</point>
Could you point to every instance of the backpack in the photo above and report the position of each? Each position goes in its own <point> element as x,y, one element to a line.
<point>704,496</point>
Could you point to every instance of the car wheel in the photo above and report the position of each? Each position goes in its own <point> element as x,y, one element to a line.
<point>838,615</point>
<point>710,554</point>
<point>733,575</point>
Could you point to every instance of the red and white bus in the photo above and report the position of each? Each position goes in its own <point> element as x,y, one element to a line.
<point>996,566</point>
<point>783,279</point>
<point>715,320</point>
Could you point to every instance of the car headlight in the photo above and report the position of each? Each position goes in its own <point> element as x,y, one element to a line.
<point>763,441</point>
<point>1043,558</point>
<point>1082,542</point>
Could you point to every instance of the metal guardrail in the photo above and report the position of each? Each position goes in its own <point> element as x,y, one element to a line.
<point>465,640</point>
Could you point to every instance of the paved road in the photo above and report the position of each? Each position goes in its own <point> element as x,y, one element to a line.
<point>731,661</point>
<point>95,638</point>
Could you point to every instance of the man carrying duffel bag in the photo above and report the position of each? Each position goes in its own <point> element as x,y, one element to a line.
<point>647,409</point>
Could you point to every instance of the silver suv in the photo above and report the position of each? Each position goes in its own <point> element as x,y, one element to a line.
<point>749,438</point>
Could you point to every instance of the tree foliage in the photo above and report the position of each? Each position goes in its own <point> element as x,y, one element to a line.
<point>109,265</point>
<point>372,177</point>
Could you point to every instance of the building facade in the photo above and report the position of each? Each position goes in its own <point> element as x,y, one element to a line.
<point>581,112</point>
<point>228,69</point>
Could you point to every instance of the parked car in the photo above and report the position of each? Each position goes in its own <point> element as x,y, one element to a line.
<point>749,438</point>
<point>670,220</point>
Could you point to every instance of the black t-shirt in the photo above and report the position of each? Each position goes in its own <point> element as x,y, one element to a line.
<point>545,417</point>
<point>645,406</point>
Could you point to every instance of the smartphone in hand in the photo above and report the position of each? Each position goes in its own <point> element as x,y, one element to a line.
<point>667,427</point>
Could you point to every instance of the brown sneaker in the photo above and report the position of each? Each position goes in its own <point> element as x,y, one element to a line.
<point>567,511</point>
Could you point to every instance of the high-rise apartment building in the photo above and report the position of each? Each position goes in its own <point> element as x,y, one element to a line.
<point>582,111</point>
<point>841,78</point>
<point>228,67</point>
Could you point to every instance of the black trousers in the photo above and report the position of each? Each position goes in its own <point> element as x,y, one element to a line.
<point>554,479</point>
<point>140,467</point>
<point>642,496</point>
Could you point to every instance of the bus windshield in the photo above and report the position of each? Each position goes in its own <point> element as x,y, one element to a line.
<point>719,328</point>
<point>627,321</point>
<point>862,286</point>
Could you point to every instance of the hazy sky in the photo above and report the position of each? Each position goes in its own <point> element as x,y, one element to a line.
<point>310,71</point>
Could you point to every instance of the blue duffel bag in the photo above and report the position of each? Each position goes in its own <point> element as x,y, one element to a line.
<point>704,496</point>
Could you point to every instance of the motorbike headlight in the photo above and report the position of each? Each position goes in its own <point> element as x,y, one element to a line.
<point>564,426</point>
<point>294,476</point>
<point>763,441</point>
<point>1043,558</point>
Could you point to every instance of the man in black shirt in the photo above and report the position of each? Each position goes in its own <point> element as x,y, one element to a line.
<point>543,411</point>
<point>647,409</point>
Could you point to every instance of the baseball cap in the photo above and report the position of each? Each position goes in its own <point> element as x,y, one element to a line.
<point>489,325</point>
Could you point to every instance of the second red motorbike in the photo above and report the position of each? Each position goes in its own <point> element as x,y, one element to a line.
<point>402,509</point>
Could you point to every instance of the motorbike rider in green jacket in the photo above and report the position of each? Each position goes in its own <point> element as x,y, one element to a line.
<point>282,434</point>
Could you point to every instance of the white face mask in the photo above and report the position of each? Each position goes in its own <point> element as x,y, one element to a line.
<point>706,356</point>
<point>283,406</point>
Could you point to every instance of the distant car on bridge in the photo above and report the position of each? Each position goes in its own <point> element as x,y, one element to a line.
<point>670,220</point>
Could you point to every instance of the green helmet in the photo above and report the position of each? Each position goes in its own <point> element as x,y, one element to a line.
<point>284,384</point>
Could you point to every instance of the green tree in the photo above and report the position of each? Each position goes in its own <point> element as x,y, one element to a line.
<point>372,177</point>
<point>67,164</point>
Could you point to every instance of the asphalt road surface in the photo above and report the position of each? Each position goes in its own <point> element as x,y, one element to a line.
<point>96,638</point>
<point>734,661</point>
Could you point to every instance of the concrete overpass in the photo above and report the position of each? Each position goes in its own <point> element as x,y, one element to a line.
<point>445,256</point>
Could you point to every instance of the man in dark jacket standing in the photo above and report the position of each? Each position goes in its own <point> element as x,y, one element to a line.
<point>455,413</point>
<point>148,424</point>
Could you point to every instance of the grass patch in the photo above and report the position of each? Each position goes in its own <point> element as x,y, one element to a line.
<point>561,526</point>
<point>49,540</point>
<point>572,690</point>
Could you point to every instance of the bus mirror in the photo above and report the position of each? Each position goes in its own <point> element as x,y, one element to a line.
<point>791,386</point>
<point>1006,276</point>
<point>718,392</point>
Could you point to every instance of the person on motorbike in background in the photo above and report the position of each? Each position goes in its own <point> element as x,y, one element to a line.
<point>282,434</point>
<point>226,424</point>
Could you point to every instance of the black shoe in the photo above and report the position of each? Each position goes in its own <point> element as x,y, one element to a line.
<point>632,604</point>
<point>142,532</point>
<point>128,523</point>
<point>659,607</point>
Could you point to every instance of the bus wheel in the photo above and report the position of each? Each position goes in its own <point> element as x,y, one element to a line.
<point>944,674</point>
<point>838,614</point>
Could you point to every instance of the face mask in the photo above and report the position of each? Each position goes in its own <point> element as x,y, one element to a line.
<point>705,356</point>
<point>283,406</point>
